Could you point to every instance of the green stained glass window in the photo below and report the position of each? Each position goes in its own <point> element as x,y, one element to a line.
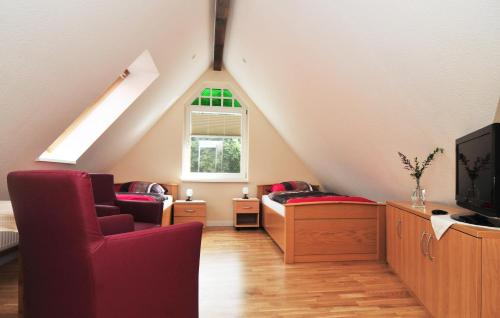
<point>216,101</point>
<point>216,97</point>
<point>205,92</point>
<point>216,92</point>
<point>205,101</point>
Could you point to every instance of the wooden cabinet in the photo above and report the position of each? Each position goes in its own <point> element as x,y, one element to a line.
<point>190,211</point>
<point>446,274</point>
<point>412,263</point>
<point>246,212</point>
<point>455,264</point>
<point>400,241</point>
<point>393,239</point>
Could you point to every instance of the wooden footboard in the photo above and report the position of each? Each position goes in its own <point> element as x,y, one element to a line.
<point>166,218</point>
<point>335,231</point>
<point>328,231</point>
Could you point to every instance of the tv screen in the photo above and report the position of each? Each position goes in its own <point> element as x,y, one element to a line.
<point>475,174</point>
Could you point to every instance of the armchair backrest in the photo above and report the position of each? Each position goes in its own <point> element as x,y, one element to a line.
<point>103,186</point>
<point>58,229</point>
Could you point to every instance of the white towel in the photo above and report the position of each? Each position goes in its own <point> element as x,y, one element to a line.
<point>441,223</point>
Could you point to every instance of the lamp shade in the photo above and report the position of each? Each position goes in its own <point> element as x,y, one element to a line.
<point>189,192</point>
<point>245,190</point>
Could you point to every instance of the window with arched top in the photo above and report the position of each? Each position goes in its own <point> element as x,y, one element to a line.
<point>215,145</point>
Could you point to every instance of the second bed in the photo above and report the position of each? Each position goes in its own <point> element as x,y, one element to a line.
<point>325,231</point>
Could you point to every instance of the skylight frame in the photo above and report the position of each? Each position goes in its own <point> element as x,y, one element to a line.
<point>97,118</point>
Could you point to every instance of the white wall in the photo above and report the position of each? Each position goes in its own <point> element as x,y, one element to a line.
<point>366,79</point>
<point>158,156</point>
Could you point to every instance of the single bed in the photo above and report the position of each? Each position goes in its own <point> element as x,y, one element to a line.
<point>324,231</point>
<point>170,197</point>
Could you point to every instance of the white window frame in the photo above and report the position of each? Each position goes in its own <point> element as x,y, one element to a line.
<point>187,175</point>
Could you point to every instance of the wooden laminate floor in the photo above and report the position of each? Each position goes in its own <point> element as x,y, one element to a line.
<point>242,275</point>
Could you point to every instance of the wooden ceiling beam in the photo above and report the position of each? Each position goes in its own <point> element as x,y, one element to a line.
<point>221,15</point>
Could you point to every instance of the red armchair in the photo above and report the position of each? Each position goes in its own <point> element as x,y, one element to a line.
<point>72,270</point>
<point>146,214</point>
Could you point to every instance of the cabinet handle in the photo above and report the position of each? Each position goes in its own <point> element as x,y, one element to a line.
<point>398,228</point>
<point>429,254</point>
<point>247,207</point>
<point>422,249</point>
<point>189,210</point>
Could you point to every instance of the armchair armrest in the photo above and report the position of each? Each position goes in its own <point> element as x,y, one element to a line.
<point>106,210</point>
<point>116,224</point>
<point>142,211</point>
<point>150,273</point>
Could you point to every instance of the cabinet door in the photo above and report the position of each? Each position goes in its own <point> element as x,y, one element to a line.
<point>427,285</point>
<point>414,264</point>
<point>393,241</point>
<point>456,275</point>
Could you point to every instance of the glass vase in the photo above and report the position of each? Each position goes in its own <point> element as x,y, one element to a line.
<point>418,197</point>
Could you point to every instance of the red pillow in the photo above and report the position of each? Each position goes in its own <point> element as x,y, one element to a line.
<point>278,187</point>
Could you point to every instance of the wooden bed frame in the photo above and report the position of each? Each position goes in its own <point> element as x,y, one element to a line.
<point>173,190</point>
<point>326,231</point>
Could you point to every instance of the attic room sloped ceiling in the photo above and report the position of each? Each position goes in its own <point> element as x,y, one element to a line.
<point>348,84</point>
<point>57,57</point>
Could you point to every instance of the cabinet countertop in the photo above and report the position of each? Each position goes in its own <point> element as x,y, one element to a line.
<point>426,213</point>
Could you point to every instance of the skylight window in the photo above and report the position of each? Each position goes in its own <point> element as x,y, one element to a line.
<point>98,117</point>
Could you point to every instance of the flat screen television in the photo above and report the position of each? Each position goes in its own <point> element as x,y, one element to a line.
<point>477,169</point>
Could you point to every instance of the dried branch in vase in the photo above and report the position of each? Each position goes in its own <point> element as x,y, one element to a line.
<point>418,167</point>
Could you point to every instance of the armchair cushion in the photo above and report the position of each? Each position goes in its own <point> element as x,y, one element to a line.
<point>139,226</point>
<point>116,224</point>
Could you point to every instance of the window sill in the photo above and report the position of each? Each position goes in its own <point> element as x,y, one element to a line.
<point>69,162</point>
<point>223,180</point>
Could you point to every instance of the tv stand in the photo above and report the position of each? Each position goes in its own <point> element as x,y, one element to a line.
<point>456,276</point>
<point>476,219</point>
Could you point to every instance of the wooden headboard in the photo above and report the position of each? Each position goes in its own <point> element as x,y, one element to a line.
<point>263,189</point>
<point>172,188</point>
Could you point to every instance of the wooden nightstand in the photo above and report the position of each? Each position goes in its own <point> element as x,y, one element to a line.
<point>190,211</point>
<point>246,212</point>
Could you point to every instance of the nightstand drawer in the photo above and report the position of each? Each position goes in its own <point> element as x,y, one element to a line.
<point>190,210</point>
<point>187,219</point>
<point>246,206</point>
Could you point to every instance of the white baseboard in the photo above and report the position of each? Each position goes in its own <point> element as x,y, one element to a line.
<point>220,223</point>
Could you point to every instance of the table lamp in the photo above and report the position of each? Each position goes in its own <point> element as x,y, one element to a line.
<point>189,194</point>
